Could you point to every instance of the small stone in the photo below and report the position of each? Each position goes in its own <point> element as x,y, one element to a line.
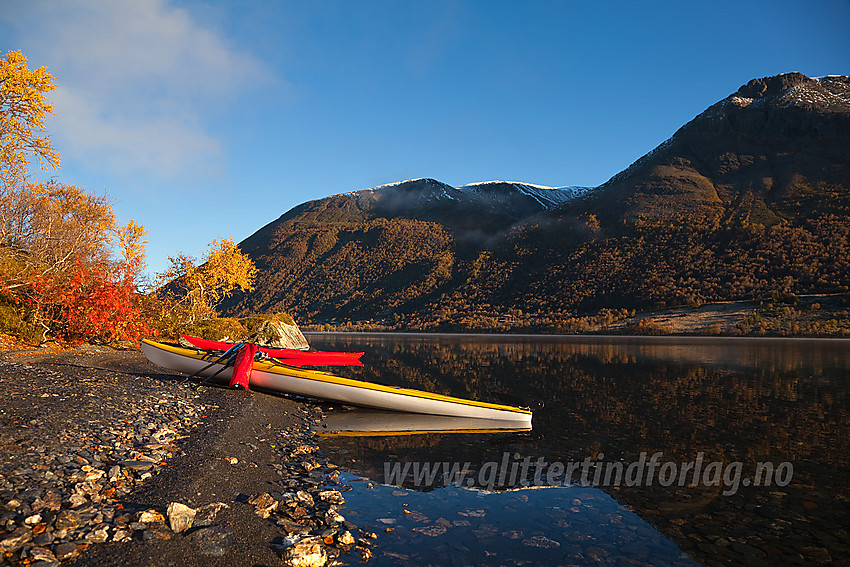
<point>88,488</point>
<point>334,516</point>
<point>66,551</point>
<point>32,520</point>
<point>94,475</point>
<point>308,552</point>
<point>77,500</point>
<point>293,527</point>
<point>149,517</point>
<point>432,531</point>
<point>122,535</point>
<point>264,504</point>
<point>345,538</point>
<point>206,515</point>
<point>67,520</point>
<point>232,460</point>
<point>50,501</point>
<point>304,497</point>
<point>819,555</point>
<point>41,554</point>
<point>138,466</point>
<point>332,497</point>
<point>98,536</point>
<point>180,517</point>
<point>156,531</point>
<point>44,538</point>
<point>303,450</point>
<point>15,540</point>
<point>541,541</point>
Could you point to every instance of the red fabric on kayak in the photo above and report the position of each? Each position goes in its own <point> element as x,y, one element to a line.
<point>242,366</point>
<point>290,356</point>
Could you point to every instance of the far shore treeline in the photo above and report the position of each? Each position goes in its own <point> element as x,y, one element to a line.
<point>743,210</point>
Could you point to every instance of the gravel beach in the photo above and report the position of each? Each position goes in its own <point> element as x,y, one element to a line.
<point>106,459</point>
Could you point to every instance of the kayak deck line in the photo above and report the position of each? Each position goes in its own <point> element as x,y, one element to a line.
<point>281,369</point>
<point>370,433</point>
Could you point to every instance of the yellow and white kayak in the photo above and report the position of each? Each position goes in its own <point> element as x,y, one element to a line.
<point>278,377</point>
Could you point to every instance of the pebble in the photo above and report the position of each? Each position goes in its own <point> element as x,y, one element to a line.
<point>307,552</point>
<point>180,517</point>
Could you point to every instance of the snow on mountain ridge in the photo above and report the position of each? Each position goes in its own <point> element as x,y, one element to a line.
<point>543,194</point>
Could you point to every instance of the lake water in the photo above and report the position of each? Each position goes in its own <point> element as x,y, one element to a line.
<point>642,451</point>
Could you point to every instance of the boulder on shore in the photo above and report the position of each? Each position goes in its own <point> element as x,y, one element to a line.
<point>277,333</point>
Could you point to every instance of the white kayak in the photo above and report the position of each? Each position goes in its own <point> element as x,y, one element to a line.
<point>270,375</point>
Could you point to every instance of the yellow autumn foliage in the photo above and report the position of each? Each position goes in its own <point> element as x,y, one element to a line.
<point>200,288</point>
<point>23,109</point>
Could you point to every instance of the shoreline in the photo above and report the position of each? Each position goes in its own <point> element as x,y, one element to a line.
<point>101,452</point>
<point>583,337</point>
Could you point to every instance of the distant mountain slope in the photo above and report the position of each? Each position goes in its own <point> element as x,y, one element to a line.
<point>384,249</point>
<point>749,198</point>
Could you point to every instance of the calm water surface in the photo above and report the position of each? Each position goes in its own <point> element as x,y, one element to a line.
<point>608,404</point>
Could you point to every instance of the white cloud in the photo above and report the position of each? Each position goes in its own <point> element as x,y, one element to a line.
<point>155,143</point>
<point>137,81</point>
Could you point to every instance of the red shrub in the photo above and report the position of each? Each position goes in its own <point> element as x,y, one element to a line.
<point>93,304</point>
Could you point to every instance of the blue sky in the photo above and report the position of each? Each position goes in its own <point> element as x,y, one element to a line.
<point>202,119</point>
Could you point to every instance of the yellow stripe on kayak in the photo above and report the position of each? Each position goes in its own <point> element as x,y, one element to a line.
<point>321,376</point>
<point>413,432</point>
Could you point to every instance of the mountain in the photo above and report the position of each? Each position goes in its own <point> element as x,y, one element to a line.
<point>383,249</point>
<point>756,154</point>
<point>748,199</point>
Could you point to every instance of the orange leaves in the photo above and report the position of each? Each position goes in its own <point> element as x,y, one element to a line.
<point>92,304</point>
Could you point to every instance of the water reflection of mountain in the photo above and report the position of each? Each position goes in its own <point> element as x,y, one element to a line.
<point>777,401</point>
<point>745,401</point>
